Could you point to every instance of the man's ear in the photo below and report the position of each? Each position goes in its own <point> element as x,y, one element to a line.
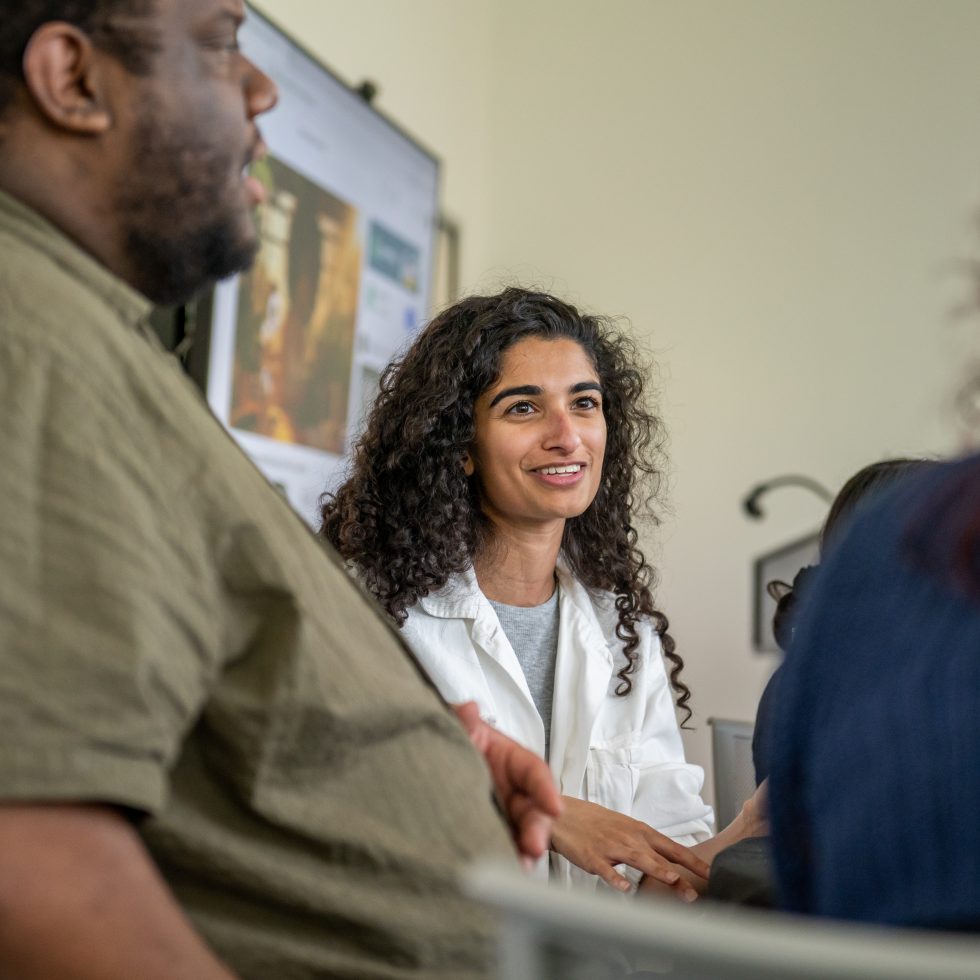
<point>63,73</point>
<point>468,467</point>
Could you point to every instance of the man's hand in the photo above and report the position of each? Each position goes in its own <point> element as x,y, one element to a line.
<point>525,789</point>
<point>597,839</point>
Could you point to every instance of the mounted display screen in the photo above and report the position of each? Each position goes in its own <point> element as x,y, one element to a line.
<point>341,281</point>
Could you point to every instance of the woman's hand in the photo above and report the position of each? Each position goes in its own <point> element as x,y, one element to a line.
<point>597,839</point>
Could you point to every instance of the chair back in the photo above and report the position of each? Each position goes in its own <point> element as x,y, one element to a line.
<point>734,772</point>
<point>551,934</point>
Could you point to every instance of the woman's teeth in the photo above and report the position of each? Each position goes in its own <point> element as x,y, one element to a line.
<point>558,470</point>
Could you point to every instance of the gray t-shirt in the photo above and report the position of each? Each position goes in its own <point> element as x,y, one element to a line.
<point>533,633</point>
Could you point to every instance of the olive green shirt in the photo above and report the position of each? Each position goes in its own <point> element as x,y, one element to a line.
<point>173,639</point>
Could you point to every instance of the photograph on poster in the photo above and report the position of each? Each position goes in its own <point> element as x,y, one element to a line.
<point>297,311</point>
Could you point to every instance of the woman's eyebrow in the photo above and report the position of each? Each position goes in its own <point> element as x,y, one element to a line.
<point>536,390</point>
<point>518,390</point>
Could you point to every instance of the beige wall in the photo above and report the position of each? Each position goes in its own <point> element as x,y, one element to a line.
<point>776,193</point>
<point>433,64</point>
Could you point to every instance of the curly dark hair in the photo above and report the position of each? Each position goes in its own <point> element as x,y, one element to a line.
<point>120,27</point>
<point>407,517</point>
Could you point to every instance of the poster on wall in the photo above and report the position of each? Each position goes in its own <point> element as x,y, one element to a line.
<point>341,281</point>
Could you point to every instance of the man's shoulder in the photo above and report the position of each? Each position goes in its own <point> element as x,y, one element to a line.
<point>87,389</point>
<point>45,311</point>
<point>53,294</point>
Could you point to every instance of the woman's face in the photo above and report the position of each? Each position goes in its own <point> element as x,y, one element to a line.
<point>540,434</point>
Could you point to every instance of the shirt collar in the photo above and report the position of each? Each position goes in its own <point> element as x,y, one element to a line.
<point>37,232</point>
<point>461,598</point>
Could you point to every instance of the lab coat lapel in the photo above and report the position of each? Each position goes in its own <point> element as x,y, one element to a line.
<point>582,674</point>
<point>489,637</point>
<point>490,641</point>
<point>461,598</point>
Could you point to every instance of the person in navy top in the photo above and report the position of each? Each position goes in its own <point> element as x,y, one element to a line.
<point>875,779</point>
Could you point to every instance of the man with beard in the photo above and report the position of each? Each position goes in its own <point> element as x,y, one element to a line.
<point>216,756</point>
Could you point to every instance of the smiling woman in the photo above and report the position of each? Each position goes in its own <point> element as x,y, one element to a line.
<point>491,509</point>
<point>411,515</point>
<point>539,438</point>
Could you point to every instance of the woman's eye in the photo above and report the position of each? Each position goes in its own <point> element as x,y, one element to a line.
<point>520,408</point>
<point>587,402</point>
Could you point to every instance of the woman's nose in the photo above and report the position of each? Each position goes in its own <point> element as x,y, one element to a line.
<point>563,433</point>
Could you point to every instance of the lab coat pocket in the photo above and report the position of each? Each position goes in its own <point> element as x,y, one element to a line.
<point>638,780</point>
<point>611,778</point>
<point>667,796</point>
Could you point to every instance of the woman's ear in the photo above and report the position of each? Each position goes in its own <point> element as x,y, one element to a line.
<point>468,467</point>
<point>62,71</point>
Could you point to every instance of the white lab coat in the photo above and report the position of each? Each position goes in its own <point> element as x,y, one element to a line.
<point>624,753</point>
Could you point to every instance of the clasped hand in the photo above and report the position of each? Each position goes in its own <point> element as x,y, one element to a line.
<point>596,839</point>
<point>592,837</point>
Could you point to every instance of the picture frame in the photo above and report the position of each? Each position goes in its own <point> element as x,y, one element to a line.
<point>446,273</point>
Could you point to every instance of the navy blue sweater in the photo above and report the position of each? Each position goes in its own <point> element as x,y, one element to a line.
<point>875,785</point>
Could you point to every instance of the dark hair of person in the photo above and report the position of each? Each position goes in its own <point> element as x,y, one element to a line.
<point>119,27</point>
<point>408,517</point>
<point>867,482</point>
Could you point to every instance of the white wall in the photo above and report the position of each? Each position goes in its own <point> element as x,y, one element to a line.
<point>772,191</point>
<point>775,192</point>
<point>432,61</point>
